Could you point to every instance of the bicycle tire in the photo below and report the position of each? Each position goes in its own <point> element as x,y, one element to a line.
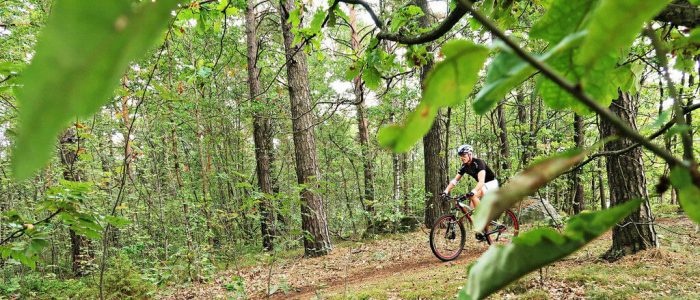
<point>511,230</point>
<point>438,229</point>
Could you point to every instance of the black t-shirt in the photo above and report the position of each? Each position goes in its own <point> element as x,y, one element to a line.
<point>474,167</point>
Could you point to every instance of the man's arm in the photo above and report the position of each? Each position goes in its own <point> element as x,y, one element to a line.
<point>452,184</point>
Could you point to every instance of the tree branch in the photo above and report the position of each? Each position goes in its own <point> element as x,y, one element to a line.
<point>680,12</point>
<point>422,38</point>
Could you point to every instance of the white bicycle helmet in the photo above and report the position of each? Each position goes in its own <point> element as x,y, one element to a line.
<point>461,150</point>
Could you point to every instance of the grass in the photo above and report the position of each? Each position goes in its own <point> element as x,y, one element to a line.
<point>670,272</point>
<point>437,283</point>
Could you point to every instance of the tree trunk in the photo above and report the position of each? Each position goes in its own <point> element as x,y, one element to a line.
<point>503,136</point>
<point>601,187</point>
<point>627,181</point>
<point>363,132</point>
<point>313,216</point>
<point>435,171</point>
<point>578,201</point>
<point>261,131</point>
<point>68,153</point>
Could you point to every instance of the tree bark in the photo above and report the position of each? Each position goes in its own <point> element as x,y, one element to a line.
<point>578,201</point>
<point>313,215</point>
<point>261,132</point>
<point>435,171</point>
<point>68,153</point>
<point>627,181</point>
<point>601,187</point>
<point>503,137</point>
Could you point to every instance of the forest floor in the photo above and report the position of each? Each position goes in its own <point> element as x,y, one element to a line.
<point>401,266</point>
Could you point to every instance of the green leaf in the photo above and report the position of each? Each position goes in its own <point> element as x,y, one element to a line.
<point>352,71</point>
<point>600,83</point>
<point>614,25</point>
<point>371,76</point>
<point>507,71</point>
<point>7,68</point>
<point>317,21</point>
<point>562,17</point>
<point>451,80</point>
<point>80,55</point>
<point>524,184</point>
<point>688,193</point>
<point>417,124</point>
<point>534,249</point>
<point>449,83</point>
<point>116,221</point>
<point>295,17</point>
<point>36,245</point>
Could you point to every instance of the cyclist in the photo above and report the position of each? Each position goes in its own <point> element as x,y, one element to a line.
<point>477,169</point>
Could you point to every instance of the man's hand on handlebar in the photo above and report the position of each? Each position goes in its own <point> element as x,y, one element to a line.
<point>470,194</point>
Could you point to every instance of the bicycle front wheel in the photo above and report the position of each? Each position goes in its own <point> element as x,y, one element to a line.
<point>447,238</point>
<point>504,229</point>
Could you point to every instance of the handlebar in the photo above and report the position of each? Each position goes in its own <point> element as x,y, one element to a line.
<point>459,197</point>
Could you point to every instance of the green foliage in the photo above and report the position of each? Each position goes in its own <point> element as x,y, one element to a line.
<point>524,184</point>
<point>624,18</point>
<point>688,193</point>
<point>508,71</point>
<point>448,83</point>
<point>500,266</point>
<point>376,62</point>
<point>405,16</point>
<point>562,18</point>
<point>79,57</point>
<point>122,280</point>
<point>40,287</point>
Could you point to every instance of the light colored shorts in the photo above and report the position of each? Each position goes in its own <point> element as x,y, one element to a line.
<point>490,186</point>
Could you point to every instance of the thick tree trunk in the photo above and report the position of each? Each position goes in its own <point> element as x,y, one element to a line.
<point>313,215</point>
<point>261,132</point>
<point>362,123</point>
<point>435,171</point>
<point>68,153</point>
<point>627,181</point>
<point>578,201</point>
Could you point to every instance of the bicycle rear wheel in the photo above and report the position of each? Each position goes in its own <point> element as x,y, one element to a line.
<point>447,238</point>
<point>506,228</point>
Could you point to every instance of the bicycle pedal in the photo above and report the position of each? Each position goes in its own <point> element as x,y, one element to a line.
<point>480,237</point>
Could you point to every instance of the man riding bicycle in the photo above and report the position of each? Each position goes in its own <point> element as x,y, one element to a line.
<point>448,233</point>
<point>477,169</point>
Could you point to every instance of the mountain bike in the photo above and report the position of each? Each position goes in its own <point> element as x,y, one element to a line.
<point>448,234</point>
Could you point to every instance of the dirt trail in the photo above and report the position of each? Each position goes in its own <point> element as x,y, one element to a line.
<point>349,266</point>
<point>372,275</point>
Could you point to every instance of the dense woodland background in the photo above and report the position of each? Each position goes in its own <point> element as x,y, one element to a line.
<point>251,127</point>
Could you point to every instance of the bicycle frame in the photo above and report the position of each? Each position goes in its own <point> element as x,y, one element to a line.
<point>465,213</point>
